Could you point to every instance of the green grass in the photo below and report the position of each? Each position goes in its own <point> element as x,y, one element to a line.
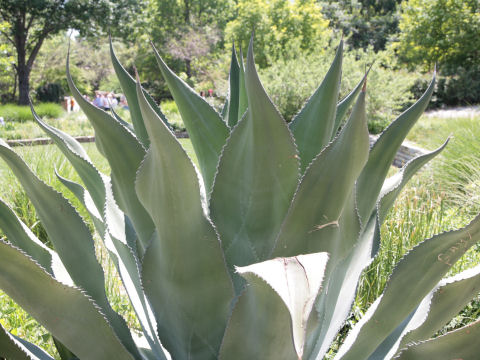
<point>170,110</point>
<point>75,124</point>
<point>18,113</point>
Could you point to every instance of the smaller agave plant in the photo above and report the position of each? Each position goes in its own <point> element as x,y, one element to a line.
<point>254,255</point>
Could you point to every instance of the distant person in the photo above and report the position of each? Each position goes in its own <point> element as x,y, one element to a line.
<point>105,104</point>
<point>123,102</point>
<point>2,122</point>
<point>98,100</point>
<point>210,92</point>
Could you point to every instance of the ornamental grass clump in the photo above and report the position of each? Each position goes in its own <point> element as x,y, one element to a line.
<point>254,255</point>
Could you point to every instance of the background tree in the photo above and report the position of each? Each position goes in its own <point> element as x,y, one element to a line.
<point>364,22</point>
<point>33,21</point>
<point>7,77</point>
<point>446,32</point>
<point>282,27</point>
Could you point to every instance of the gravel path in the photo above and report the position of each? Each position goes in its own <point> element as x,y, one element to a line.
<point>466,111</point>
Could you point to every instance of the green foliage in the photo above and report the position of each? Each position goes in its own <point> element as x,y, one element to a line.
<point>290,83</point>
<point>462,88</point>
<point>18,113</point>
<point>263,244</point>
<point>365,23</point>
<point>444,32</point>
<point>282,28</point>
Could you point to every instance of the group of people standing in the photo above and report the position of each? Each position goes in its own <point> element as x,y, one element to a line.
<point>108,100</point>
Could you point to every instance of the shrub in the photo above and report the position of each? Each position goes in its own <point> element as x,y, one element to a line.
<point>463,88</point>
<point>51,92</point>
<point>290,83</point>
<point>256,255</point>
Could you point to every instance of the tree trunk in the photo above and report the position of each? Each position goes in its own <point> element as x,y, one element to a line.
<point>23,72</point>
<point>188,66</point>
<point>23,85</point>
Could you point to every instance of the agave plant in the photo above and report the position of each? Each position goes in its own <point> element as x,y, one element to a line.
<point>257,255</point>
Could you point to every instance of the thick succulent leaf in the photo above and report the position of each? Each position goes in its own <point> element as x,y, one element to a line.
<point>20,236</point>
<point>256,179</point>
<point>121,121</point>
<point>64,353</point>
<point>347,101</point>
<point>334,304</point>
<point>70,237</point>
<point>383,152</point>
<point>459,344</point>
<point>124,154</point>
<point>79,159</point>
<point>205,127</point>
<point>119,240</point>
<point>324,191</point>
<point>128,86</point>
<point>12,347</point>
<point>278,287</point>
<point>450,296</point>
<point>394,185</point>
<point>234,91</point>
<point>432,258</point>
<point>242,96</point>
<point>70,315</point>
<point>314,124</point>
<point>85,198</point>
<point>435,310</point>
<point>197,292</point>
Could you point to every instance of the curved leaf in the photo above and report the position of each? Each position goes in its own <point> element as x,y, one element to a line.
<point>432,258</point>
<point>197,292</point>
<point>64,311</point>
<point>278,289</point>
<point>347,101</point>
<point>314,125</point>
<point>12,347</point>
<point>256,179</point>
<point>128,86</point>
<point>458,344</point>
<point>324,191</point>
<point>69,235</point>
<point>124,154</point>
<point>234,91</point>
<point>450,296</point>
<point>205,127</point>
<point>383,152</point>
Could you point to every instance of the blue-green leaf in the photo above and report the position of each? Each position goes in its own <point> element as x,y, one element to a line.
<point>383,152</point>
<point>66,312</point>
<point>124,154</point>
<point>257,177</point>
<point>459,344</point>
<point>315,123</point>
<point>197,292</point>
<point>205,127</point>
<point>432,258</point>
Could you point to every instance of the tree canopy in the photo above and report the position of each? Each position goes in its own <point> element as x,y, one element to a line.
<point>32,21</point>
<point>446,32</point>
<point>282,27</point>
